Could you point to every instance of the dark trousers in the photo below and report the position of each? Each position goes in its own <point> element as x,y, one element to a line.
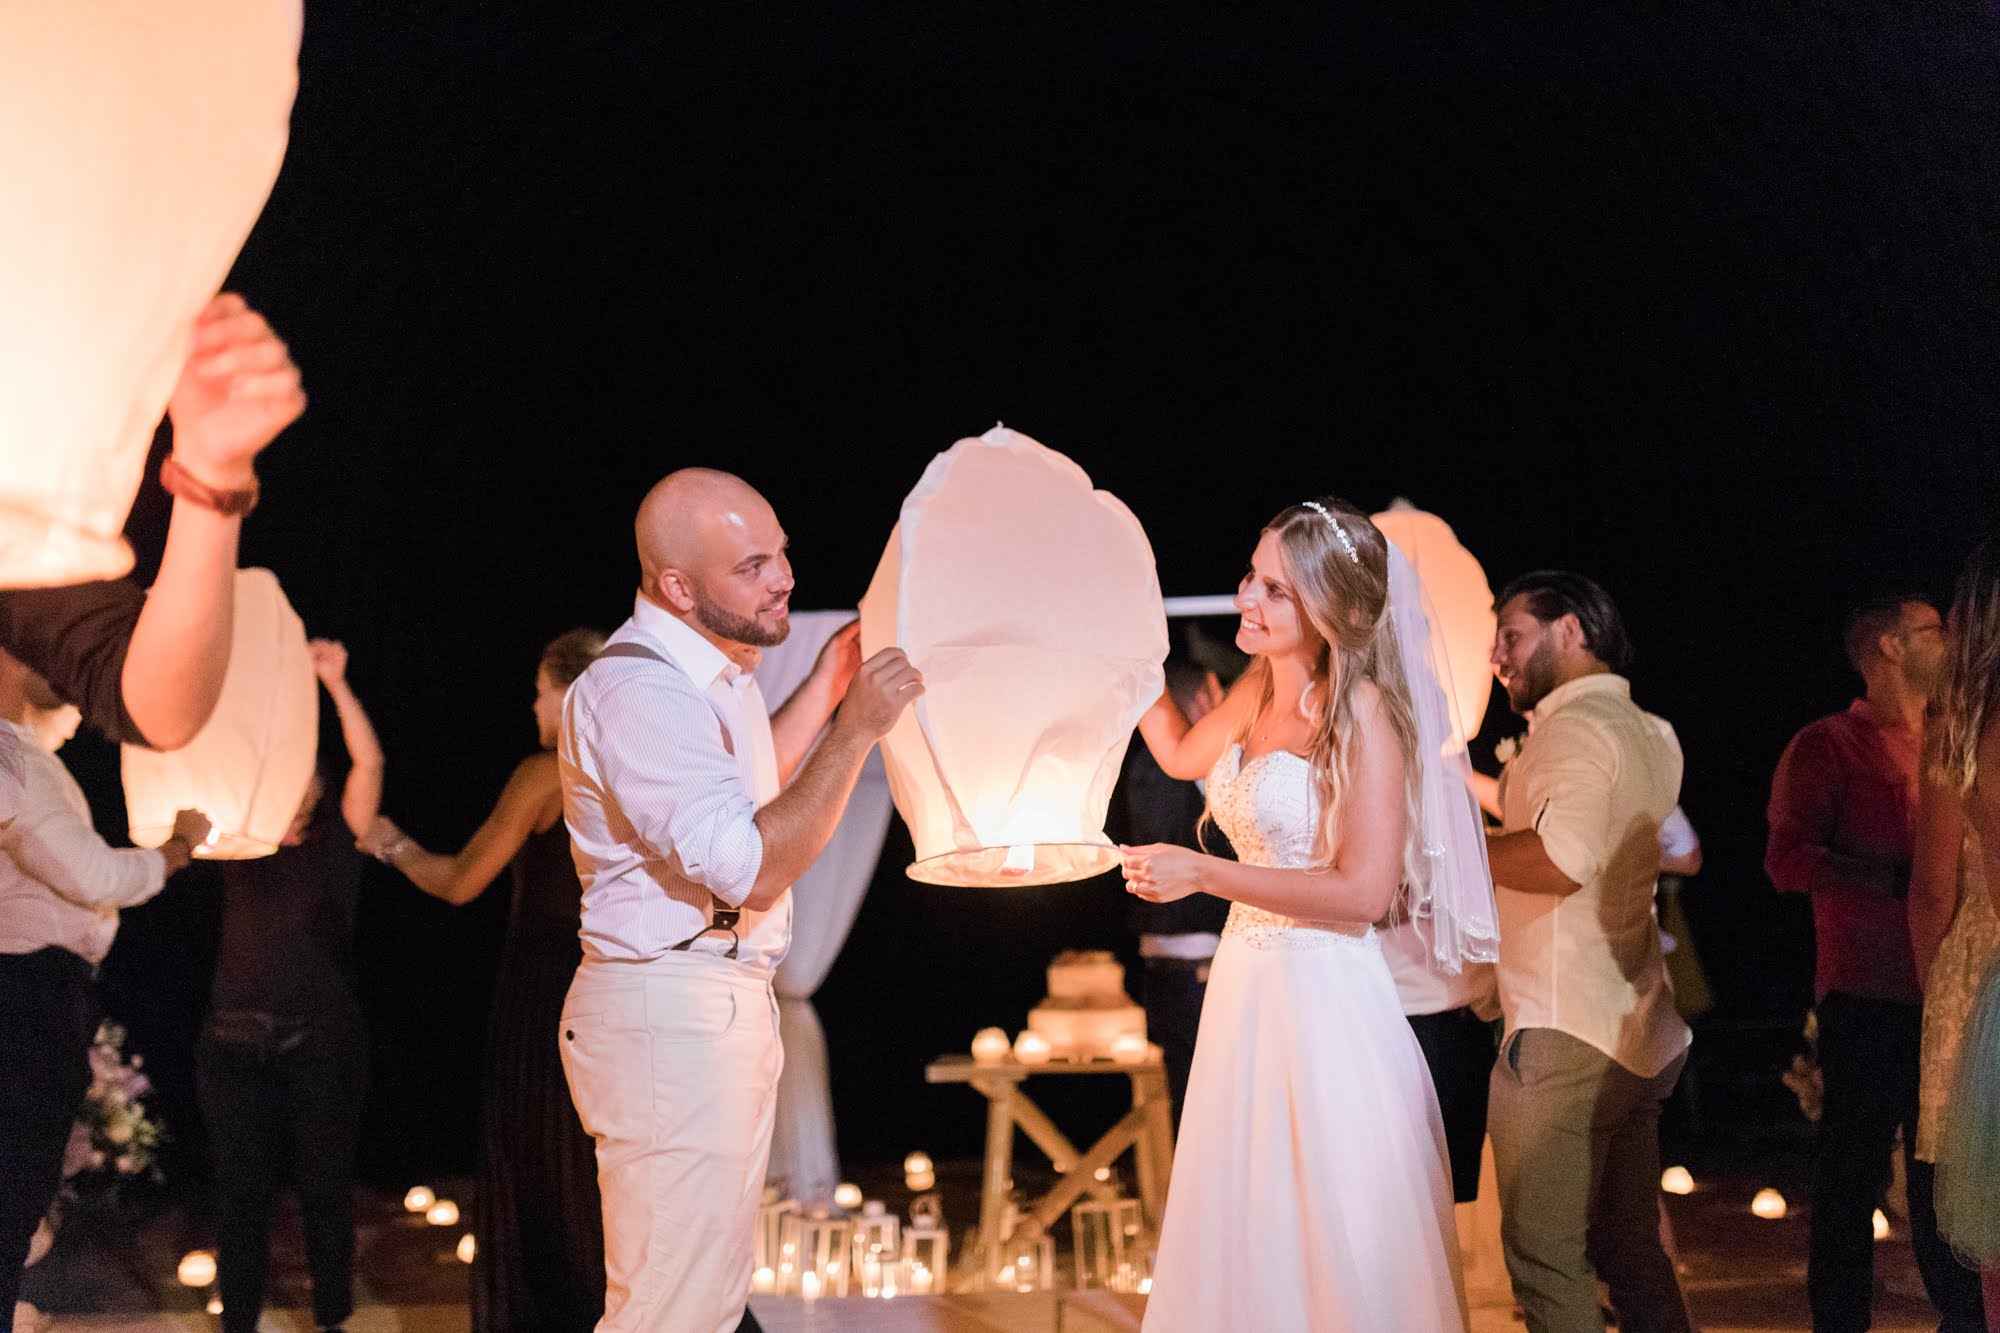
<point>1868,1055</point>
<point>1174,991</point>
<point>48,1017</point>
<point>1458,1047</point>
<point>282,1098</point>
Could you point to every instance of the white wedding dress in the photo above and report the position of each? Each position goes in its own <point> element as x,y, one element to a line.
<point>1310,1190</point>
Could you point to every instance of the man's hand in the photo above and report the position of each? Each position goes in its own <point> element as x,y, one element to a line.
<point>838,661</point>
<point>885,685</point>
<point>329,660</point>
<point>192,827</point>
<point>238,389</point>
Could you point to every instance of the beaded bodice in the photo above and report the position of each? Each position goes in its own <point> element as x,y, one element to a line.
<point>1268,808</point>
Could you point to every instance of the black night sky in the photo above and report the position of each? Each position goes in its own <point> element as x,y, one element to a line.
<point>1699,304</point>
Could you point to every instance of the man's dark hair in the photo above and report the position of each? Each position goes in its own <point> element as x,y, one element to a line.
<point>1555,593</point>
<point>1871,618</point>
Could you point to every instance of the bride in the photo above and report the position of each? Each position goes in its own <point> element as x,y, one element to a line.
<point>1310,1187</point>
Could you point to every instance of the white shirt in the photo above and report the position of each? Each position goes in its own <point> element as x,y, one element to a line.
<point>1596,779</point>
<point>60,884</point>
<point>663,769</point>
<point>1422,987</point>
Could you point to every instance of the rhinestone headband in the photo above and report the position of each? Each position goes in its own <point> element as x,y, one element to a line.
<point>1346,542</point>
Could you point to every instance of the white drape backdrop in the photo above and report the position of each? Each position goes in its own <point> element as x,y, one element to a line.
<point>824,902</point>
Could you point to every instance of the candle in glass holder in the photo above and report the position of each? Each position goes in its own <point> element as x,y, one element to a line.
<point>1129,1048</point>
<point>1031,1048</point>
<point>809,1286</point>
<point>920,1278</point>
<point>990,1047</point>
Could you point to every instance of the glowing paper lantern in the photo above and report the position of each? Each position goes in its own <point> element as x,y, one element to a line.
<point>1463,624</point>
<point>1677,1180</point>
<point>990,1047</point>
<point>197,1268</point>
<point>248,768</point>
<point>1030,603</point>
<point>137,146</point>
<point>468,1248</point>
<point>1032,1048</point>
<point>419,1199</point>
<point>1769,1205</point>
<point>443,1213</point>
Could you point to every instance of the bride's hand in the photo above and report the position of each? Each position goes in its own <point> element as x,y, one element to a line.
<point>1161,872</point>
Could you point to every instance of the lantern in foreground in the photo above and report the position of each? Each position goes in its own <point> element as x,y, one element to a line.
<point>1030,603</point>
<point>249,767</point>
<point>137,145</point>
<point>1462,602</point>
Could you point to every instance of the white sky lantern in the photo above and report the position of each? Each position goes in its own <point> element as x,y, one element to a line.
<point>1458,592</point>
<point>248,768</point>
<point>137,146</point>
<point>1030,602</point>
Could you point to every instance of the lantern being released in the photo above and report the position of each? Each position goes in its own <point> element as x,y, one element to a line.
<point>1030,602</point>
<point>137,146</point>
<point>248,768</point>
<point>1463,621</point>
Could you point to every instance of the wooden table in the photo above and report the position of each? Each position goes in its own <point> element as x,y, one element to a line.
<point>1147,1129</point>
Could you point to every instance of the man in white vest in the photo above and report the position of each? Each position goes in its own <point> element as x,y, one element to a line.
<point>691,811</point>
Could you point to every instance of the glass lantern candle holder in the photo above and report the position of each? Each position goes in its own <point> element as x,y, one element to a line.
<point>1107,1241</point>
<point>824,1247</point>
<point>878,1234</point>
<point>769,1239</point>
<point>1029,1264</point>
<point>925,1254</point>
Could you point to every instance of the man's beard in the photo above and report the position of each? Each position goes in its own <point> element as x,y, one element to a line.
<point>1532,683</point>
<point>728,625</point>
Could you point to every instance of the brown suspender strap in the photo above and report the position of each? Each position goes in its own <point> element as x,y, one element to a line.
<point>722,917</point>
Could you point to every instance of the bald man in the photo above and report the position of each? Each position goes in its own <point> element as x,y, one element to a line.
<point>691,811</point>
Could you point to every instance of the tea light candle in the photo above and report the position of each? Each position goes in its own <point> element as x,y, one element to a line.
<point>1769,1205</point>
<point>1677,1180</point>
<point>1031,1048</point>
<point>847,1196</point>
<point>419,1199</point>
<point>443,1213</point>
<point>920,1278</point>
<point>197,1268</point>
<point>764,1281</point>
<point>468,1248</point>
<point>809,1285</point>
<point>990,1047</point>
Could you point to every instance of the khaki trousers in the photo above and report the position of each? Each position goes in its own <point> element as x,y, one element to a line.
<point>1576,1148</point>
<point>673,1065</point>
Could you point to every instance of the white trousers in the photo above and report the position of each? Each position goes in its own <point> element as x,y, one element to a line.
<point>673,1065</point>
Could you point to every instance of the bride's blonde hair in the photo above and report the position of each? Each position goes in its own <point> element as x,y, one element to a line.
<point>1338,564</point>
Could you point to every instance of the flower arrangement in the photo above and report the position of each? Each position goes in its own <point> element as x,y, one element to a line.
<point>113,1135</point>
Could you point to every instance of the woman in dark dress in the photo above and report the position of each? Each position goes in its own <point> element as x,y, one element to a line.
<point>282,1062</point>
<point>539,1262</point>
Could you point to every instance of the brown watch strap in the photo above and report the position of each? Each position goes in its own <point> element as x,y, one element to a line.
<point>178,481</point>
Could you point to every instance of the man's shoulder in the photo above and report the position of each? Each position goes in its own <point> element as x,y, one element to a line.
<point>1823,734</point>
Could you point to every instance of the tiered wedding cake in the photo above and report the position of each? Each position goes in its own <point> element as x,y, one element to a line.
<point>1087,1007</point>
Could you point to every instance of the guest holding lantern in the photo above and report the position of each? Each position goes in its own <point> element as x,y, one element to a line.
<point>281,1065</point>
<point>61,887</point>
<point>540,1259</point>
<point>146,666</point>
